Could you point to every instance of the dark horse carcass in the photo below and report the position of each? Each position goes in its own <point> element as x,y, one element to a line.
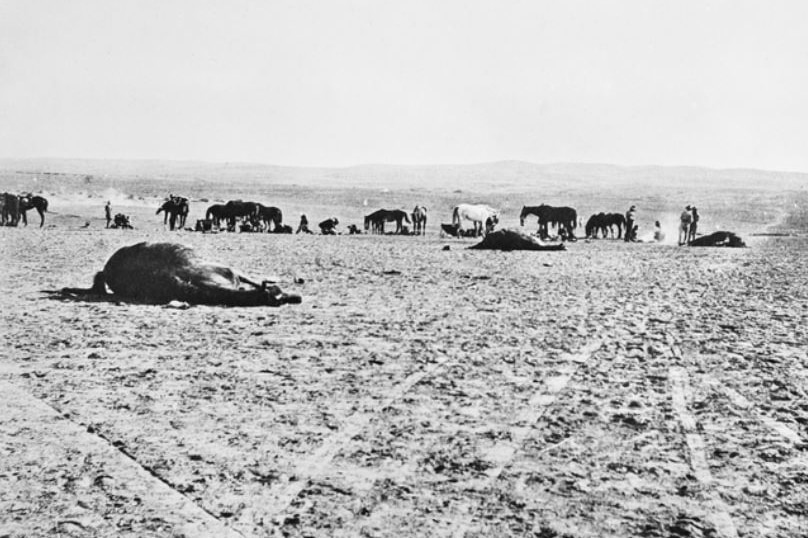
<point>164,272</point>
<point>718,239</point>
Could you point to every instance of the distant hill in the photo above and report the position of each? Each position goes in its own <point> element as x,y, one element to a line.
<point>504,176</point>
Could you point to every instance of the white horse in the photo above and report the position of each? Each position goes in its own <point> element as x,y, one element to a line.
<point>481,215</point>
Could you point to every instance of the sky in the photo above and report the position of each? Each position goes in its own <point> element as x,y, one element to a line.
<point>715,83</point>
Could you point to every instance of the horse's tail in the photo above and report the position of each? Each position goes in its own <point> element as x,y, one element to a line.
<point>456,216</point>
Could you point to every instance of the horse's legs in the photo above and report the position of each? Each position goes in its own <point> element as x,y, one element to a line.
<point>41,216</point>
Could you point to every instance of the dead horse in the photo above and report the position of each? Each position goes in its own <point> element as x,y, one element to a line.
<point>164,272</point>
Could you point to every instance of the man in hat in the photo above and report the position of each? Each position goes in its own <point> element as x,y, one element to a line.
<point>630,216</point>
<point>108,212</point>
<point>684,225</point>
<point>694,225</point>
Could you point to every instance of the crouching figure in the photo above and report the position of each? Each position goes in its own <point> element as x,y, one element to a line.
<point>164,272</point>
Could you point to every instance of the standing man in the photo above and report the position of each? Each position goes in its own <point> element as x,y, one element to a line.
<point>694,225</point>
<point>684,226</point>
<point>108,211</point>
<point>630,215</point>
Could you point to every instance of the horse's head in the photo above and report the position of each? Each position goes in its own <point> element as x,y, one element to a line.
<point>522,215</point>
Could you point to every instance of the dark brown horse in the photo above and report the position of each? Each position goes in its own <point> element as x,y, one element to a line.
<point>176,211</point>
<point>267,215</point>
<point>10,209</point>
<point>375,221</point>
<point>28,201</point>
<point>163,272</point>
<point>565,218</point>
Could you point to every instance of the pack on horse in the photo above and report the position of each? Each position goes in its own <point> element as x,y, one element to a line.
<point>565,218</point>
<point>375,221</point>
<point>483,217</point>
<point>419,220</point>
<point>605,223</point>
<point>176,211</point>
<point>29,201</point>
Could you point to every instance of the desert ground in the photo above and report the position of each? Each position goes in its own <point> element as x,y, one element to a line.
<point>611,389</point>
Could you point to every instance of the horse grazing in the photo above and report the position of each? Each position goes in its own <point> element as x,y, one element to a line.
<point>375,221</point>
<point>216,214</point>
<point>176,212</point>
<point>565,218</point>
<point>162,272</point>
<point>483,217</point>
<point>11,209</point>
<point>267,215</point>
<point>419,220</point>
<point>238,209</point>
<point>605,223</point>
<point>28,201</point>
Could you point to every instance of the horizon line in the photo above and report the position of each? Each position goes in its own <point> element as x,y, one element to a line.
<point>400,165</point>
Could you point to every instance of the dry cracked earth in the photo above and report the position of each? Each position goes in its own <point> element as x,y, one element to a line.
<point>610,390</point>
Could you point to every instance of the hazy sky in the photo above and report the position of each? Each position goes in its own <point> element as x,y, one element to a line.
<point>337,82</point>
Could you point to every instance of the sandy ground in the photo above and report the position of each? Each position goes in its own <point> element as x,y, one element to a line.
<point>609,390</point>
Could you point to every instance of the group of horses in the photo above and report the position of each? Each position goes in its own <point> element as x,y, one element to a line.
<point>248,216</point>
<point>605,224</point>
<point>14,207</point>
<point>374,223</point>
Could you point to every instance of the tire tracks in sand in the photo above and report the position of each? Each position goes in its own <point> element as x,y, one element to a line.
<point>50,432</point>
<point>264,510</point>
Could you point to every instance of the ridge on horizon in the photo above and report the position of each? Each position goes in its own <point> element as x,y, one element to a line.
<point>502,162</point>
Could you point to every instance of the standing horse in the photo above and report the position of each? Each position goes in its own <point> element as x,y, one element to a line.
<point>605,224</point>
<point>375,221</point>
<point>11,209</point>
<point>269,214</point>
<point>28,201</point>
<point>419,220</point>
<point>216,213</point>
<point>481,215</point>
<point>565,218</point>
<point>175,208</point>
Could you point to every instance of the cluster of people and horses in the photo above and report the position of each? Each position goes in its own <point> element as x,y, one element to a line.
<point>15,207</point>
<point>467,220</point>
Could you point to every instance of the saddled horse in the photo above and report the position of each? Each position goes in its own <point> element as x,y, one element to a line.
<point>375,221</point>
<point>605,223</point>
<point>483,217</point>
<point>269,214</point>
<point>419,220</point>
<point>28,201</point>
<point>176,211</point>
<point>565,218</point>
